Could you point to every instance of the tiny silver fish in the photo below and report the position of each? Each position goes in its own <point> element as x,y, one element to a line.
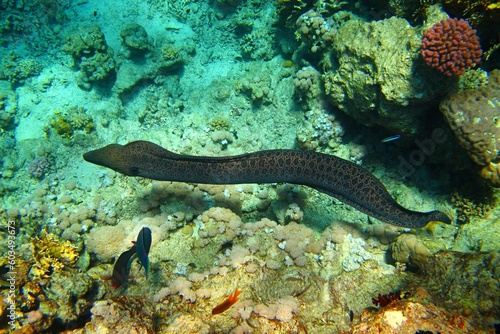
<point>391,138</point>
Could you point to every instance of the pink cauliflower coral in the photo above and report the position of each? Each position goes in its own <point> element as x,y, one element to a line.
<point>451,46</point>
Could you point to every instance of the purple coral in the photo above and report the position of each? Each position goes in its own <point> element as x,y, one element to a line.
<point>39,167</point>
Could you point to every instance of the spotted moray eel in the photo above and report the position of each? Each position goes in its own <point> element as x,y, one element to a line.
<point>329,174</point>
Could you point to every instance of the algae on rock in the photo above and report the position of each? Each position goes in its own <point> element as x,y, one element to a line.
<point>379,78</point>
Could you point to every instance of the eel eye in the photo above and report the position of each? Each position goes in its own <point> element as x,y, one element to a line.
<point>134,171</point>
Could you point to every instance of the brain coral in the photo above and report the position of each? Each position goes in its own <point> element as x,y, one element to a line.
<point>474,117</point>
<point>451,46</point>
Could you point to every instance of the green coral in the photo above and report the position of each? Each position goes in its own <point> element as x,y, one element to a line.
<point>219,123</point>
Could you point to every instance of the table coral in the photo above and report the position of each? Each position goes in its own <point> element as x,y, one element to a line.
<point>451,46</point>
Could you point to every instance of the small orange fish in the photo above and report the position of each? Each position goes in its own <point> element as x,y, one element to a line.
<point>225,305</point>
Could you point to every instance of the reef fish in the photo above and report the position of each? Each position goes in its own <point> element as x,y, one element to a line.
<point>121,268</point>
<point>391,138</point>
<point>339,178</point>
<point>226,304</point>
<point>143,244</point>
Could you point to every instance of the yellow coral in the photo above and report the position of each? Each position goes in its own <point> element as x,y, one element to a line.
<point>51,255</point>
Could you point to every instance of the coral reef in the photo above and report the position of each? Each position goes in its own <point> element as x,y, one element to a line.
<point>451,46</point>
<point>465,281</point>
<point>221,78</point>
<point>65,124</point>
<point>259,44</point>
<point>257,86</point>
<point>482,14</point>
<point>15,69</point>
<point>135,38</point>
<point>473,115</point>
<point>412,317</point>
<point>472,201</point>
<point>473,78</point>
<point>121,315</point>
<point>314,30</point>
<point>91,54</point>
<point>379,75</point>
<point>307,83</point>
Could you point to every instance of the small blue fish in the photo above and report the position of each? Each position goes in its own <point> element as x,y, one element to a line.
<point>391,138</point>
<point>143,244</point>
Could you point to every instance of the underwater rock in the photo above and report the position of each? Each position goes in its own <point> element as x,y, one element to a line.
<point>135,37</point>
<point>380,78</point>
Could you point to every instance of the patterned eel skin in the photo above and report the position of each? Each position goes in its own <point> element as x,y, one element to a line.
<point>334,176</point>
